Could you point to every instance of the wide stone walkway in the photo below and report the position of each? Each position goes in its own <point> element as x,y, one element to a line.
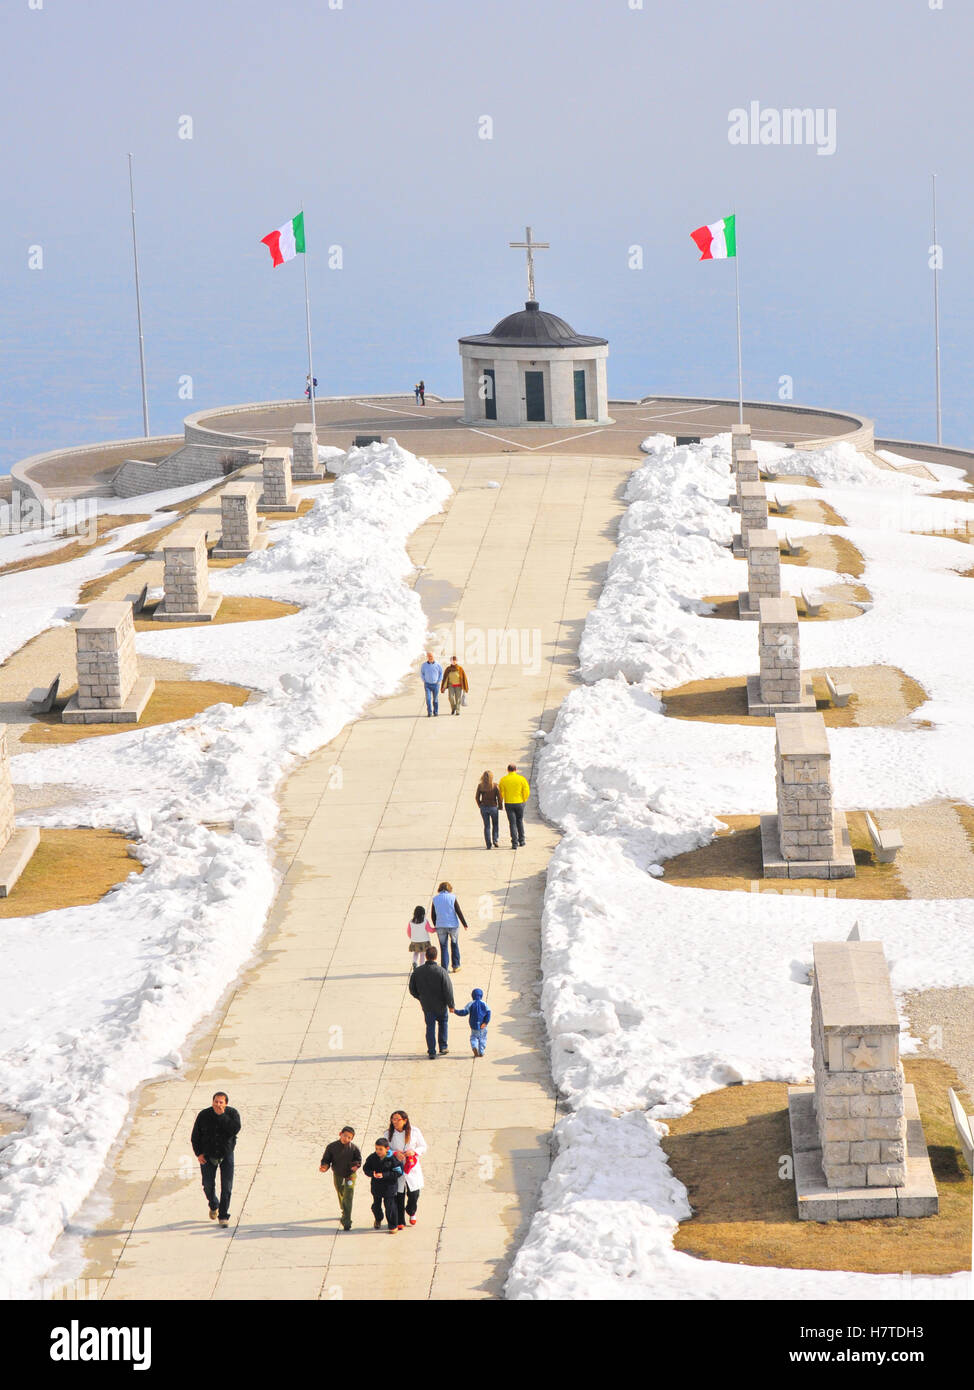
<point>322,1032</point>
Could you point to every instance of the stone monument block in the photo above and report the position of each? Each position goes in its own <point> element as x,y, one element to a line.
<point>277,495</point>
<point>16,845</point>
<point>807,838</point>
<point>863,1153</point>
<point>740,440</point>
<point>780,687</point>
<point>240,533</point>
<point>110,689</point>
<point>185,580</point>
<point>746,471</point>
<point>763,572</point>
<point>752,503</point>
<point>304,453</point>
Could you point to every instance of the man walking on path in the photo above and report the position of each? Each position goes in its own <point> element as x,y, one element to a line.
<point>344,1159</point>
<point>432,674</point>
<point>515,790</point>
<point>432,986</point>
<point>455,684</point>
<point>214,1139</point>
<point>447,917</point>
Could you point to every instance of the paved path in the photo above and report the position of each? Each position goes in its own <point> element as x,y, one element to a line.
<point>321,1031</point>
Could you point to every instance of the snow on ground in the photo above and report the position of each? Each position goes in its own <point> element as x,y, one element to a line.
<point>32,601</point>
<point>96,999</point>
<point>654,995</point>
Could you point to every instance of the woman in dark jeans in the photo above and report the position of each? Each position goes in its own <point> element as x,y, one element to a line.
<point>491,804</point>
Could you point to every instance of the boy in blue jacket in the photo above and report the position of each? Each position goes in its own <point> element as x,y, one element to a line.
<point>385,1170</point>
<point>479,1016</point>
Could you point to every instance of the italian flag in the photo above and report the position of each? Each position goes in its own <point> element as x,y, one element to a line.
<point>718,241</point>
<point>287,241</point>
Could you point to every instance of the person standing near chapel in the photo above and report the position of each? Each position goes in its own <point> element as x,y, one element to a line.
<point>491,803</point>
<point>455,684</point>
<point>422,393</point>
<point>515,790</point>
<point>432,674</point>
<point>214,1139</point>
<point>344,1159</point>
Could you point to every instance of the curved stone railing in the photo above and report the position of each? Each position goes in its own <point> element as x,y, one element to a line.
<point>861,433</point>
<point>21,470</point>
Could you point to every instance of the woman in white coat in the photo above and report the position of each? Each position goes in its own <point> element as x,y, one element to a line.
<point>406,1140</point>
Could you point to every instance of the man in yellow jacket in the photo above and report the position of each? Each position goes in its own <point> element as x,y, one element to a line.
<point>515,790</point>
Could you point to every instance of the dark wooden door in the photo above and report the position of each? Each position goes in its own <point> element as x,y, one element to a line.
<point>580,411</point>
<point>490,397</point>
<point>534,395</point>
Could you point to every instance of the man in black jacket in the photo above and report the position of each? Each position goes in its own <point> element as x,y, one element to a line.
<point>213,1139</point>
<point>432,986</point>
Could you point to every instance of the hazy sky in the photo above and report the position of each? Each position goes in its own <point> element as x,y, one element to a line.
<point>609,130</point>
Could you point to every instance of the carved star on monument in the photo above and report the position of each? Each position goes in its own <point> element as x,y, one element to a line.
<point>862,1056</point>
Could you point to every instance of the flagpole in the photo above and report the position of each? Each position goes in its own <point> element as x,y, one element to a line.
<point>737,286</point>
<point>307,311</point>
<point>138,305</point>
<point>936,306</point>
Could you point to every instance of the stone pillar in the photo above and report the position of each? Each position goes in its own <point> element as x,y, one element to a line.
<point>857,1137</point>
<point>746,471</point>
<point>6,792</point>
<point>277,495</point>
<point>561,382</point>
<point>507,390</point>
<point>803,784</point>
<point>740,439</point>
<point>859,1102</point>
<point>304,453</point>
<point>753,503</point>
<point>763,572</point>
<point>16,845</point>
<point>110,689</point>
<point>185,580</point>
<point>238,508</point>
<point>780,659</point>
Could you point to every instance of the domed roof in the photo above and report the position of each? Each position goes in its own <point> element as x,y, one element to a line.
<point>533,327</point>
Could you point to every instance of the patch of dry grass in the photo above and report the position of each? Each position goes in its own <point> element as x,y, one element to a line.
<point>727,1151</point>
<point>70,868</point>
<point>105,526</point>
<point>732,863</point>
<point>724,701</point>
<point>169,701</point>
<point>725,606</point>
<point>811,509</point>
<point>304,506</point>
<point>965,814</point>
<point>234,609</point>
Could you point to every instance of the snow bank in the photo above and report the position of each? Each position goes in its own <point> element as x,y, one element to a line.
<point>654,995</point>
<point>96,999</point>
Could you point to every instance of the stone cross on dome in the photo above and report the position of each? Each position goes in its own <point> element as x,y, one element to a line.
<point>530,246</point>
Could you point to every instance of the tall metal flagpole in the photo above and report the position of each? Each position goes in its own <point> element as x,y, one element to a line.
<point>936,305</point>
<point>138,305</point>
<point>307,311</point>
<point>737,285</point>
